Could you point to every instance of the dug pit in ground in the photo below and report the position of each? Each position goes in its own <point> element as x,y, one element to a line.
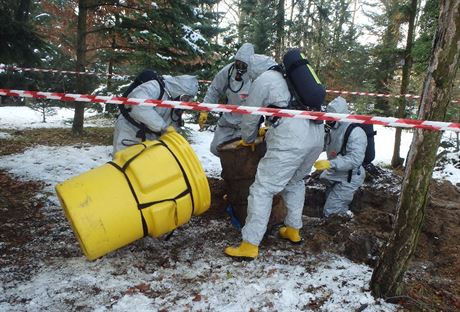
<point>436,263</point>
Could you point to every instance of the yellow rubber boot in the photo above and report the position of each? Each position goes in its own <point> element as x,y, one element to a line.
<point>245,251</point>
<point>290,234</point>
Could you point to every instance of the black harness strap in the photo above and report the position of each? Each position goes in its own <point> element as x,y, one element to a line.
<point>143,129</point>
<point>187,182</point>
<point>343,150</point>
<point>292,100</point>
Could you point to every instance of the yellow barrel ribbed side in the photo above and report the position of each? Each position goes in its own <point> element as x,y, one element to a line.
<point>194,170</point>
<point>102,209</point>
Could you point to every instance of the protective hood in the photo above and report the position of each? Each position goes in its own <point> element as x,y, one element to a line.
<point>180,85</point>
<point>258,64</point>
<point>245,52</point>
<point>338,105</point>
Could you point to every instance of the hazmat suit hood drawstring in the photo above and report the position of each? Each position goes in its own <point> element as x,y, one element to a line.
<point>259,64</point>
<point>244,53</point>
<point>180,85</point>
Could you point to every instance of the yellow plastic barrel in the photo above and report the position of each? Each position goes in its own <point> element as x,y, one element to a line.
<point>148,189</point>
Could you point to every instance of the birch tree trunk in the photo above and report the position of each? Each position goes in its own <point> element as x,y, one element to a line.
<point>437,91</point>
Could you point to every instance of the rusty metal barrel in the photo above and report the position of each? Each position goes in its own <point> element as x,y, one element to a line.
<point>239,167</point>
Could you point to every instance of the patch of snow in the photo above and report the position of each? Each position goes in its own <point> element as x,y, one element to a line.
<point>23,117</point>
<point>42,15</point>
<point>5,136</point>
<point>449,171</point>
<point>192,37</point>
<point>200,280</point>
<point>200,143</point>
<point>164,57</point>
<point>55,164</point>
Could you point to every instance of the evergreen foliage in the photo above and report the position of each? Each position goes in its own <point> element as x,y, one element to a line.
<point>422,46</point>
<point>178,37</point>
<point>20,44</point>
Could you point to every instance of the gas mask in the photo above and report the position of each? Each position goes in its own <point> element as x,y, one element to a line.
<point>176,114</point>
<point>241,69</point>
<point>329,125</point>
<point>184,98</point>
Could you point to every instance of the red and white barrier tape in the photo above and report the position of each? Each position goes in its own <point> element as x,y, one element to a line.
<point>359,93</point>
<point>226,108</point>
<point>30,69</point>
<point>397,96</point>
<point>27,69</point>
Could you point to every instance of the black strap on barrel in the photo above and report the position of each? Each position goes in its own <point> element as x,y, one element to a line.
<point>187,181</point>
<point>141,206</point>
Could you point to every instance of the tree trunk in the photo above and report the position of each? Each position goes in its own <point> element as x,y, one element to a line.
<point>320,39</point>
<point>289,36</point>
<point>437,92</point>
<point>22,13</point>
<point>388,55</point>
<point>245,7</point>
<point>397,161</point>
<point>77,126</point>
<point>111,108</point>
<point>279,30</point>
<point>306,39</point>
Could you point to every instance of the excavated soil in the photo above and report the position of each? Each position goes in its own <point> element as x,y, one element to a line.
<point>433,279</point>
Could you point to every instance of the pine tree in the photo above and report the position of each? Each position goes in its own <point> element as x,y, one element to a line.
<point>396,160</point>
<point>386,53</point>
<point>125,37</point>
<point>263,29</point>
<point>20,41</point>
<point>20,44</point>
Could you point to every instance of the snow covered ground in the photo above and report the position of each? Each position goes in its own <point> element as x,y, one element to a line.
<point>279,280</point>
<point>22,117</point>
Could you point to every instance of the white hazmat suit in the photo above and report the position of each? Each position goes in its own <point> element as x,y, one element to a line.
<point>340,191</point>
<point>225,84</point>
<point>293,145</point>
<point>157,119</point>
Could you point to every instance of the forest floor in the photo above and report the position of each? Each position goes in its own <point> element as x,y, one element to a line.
<point>31,235</point>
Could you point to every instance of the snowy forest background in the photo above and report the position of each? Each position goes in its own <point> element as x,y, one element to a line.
<point>354,45</point>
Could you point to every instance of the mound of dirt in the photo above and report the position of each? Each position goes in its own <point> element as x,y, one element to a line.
<point>436,263</point>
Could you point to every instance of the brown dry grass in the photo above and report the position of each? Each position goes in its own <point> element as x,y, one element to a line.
<point>23,139</point>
